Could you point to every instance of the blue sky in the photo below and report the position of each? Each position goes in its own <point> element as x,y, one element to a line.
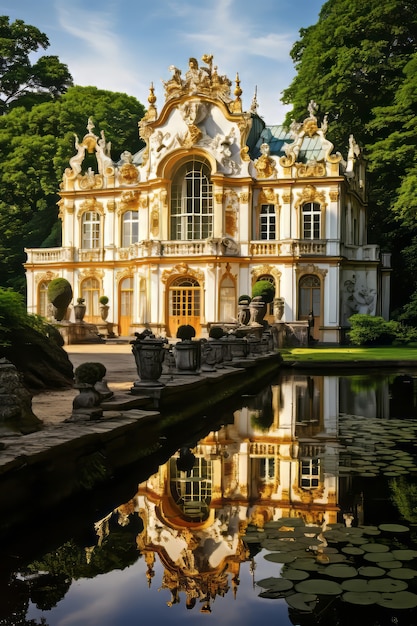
<point>127,44</point>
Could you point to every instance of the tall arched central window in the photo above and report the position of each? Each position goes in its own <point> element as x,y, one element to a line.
<point>192,202</point>
<point>311,221</point>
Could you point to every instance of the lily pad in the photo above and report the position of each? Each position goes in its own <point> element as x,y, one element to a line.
<point>303,602</point>
<point>403,573</point>
<point>393,528</point>
<point>278,584</point>
<point>294,574</point>
<point>387,585</point>
<point>280,557</point>
<point>375,547</point>
<point>353,550</point>
<point>379,557</point>
<point>340,570</point>
<point>355,584</point>
<point>400,600</point>
<point>362,598</point>
<point>371,572</point>
<point>319,586</point>
<point>405,555</point>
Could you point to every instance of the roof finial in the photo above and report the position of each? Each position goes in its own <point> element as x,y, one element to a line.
<point>254,105</point>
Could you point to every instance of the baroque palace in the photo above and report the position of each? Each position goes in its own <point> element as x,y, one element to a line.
<point>214,202</point>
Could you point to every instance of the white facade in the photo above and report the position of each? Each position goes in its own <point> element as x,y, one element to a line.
<point>216,200</point>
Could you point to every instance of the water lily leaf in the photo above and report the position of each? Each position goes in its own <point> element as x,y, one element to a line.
<point>393,528</point>
<point>371,572</point>
<point>275,584</point>
<point>403,573</point>
<point>303,602</point>
<point>353,550</point>
<point>340,570</point>
<point>319,586</point>
<point>273,594</point>
<point>306,564</point>
<point>363,598</point>
<point>379,557</point>
<point>280,557</point>
<point>355,584</point>
<point>405,555</point>
<point>294,574</point>
<point>375,547</point>
<point>386,585</point>
<point>399,600</point>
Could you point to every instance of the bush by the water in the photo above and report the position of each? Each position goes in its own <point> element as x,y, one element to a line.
<point>370,330</point>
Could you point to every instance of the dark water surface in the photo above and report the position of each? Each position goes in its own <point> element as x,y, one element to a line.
<point>297,505</point>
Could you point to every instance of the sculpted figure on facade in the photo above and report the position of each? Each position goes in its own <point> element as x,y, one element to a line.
<point>265,165</point>
<point>204,80</point>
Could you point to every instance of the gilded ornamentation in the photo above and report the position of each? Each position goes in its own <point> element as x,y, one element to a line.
<point>128,174</point>
<point>310,194</point>
<point>144,201</point>
<point>91,204</point>
<point>90,180</point>
<point>218,197</point>
<point>268,195</point>
<point>263,270</point>
<point>91,273</point>
<point>286,197</point>
<point>310,169</point>
<point>265,166</point>
<point>244,153</point>
<point>334,195</point>
<point>244,197</point>
<point>202,80</point>
<point>155,223</point>
<point>182,269</point>
<point>47,276</point>
<point>111,206</point>
<point>310,268</point>
<point>129,200</point>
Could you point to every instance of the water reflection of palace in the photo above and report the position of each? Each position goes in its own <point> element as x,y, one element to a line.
<point>277,458</point>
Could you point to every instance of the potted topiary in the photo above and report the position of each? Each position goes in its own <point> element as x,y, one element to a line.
<point>216,333</point>
<point>263,293</point>
<point>187,353</point>
<point>149,352</point>
<point>59,295</point>
<point>243,311</point>
<point>79,310</point>
<point>104,307</point>
<point>86,376</point>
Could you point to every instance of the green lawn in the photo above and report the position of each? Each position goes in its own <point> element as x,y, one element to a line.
<point>351,353</point>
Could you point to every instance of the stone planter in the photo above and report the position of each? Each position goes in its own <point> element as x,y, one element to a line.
<point>104,311</point>
<point>278,309</point>
<point>243,313</point>
<point>187,356</point>
<point>149,355</point>
<point>79,312</point>
<point>217,348</point>
<point>257,311</point>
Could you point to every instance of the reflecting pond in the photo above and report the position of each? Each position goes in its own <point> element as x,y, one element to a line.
<point>299,505</point>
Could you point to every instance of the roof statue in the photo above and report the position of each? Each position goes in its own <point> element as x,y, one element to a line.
<point>198,80</point>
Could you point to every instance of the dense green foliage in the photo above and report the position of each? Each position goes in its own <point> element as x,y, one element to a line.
<point>369,330</point>
<point>359,62</point>
<point>21,82</point>
<point>263,289</point>
<point>37,140</point>
<point>185,332</point>
<point>15,318</point>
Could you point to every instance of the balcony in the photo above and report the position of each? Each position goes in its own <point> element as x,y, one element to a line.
<point>49,256</point>
<point>368,252</point>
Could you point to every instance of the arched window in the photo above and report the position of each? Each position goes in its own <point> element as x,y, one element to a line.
<point>43,302</point>
<point>192,202</point>
<point>311,221</point>
<point>309,291</point>
<point>90,237</point>
<point>267,222</point>
<point>90,291</point>
<point>130,228</point>
<point>227,308</point>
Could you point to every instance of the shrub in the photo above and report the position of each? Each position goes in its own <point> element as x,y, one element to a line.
<point>80,300</point>
<point>59,292</point>
<point>89,373</point>
<point>185,331</point>
<point>216,332</point>
<point>103,300</point>
<point>243,299</point>
<point>369,330</point>
<point>263,289</point>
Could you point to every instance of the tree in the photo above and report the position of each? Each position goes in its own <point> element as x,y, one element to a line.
<point>358,62</point>
<point>35,148</point>
<point>22,83</point>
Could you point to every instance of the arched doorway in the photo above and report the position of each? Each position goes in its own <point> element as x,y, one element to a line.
<point>309,298</point>
<point>126,305</point>
<point>184,304</point>
<point>90,291</point>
